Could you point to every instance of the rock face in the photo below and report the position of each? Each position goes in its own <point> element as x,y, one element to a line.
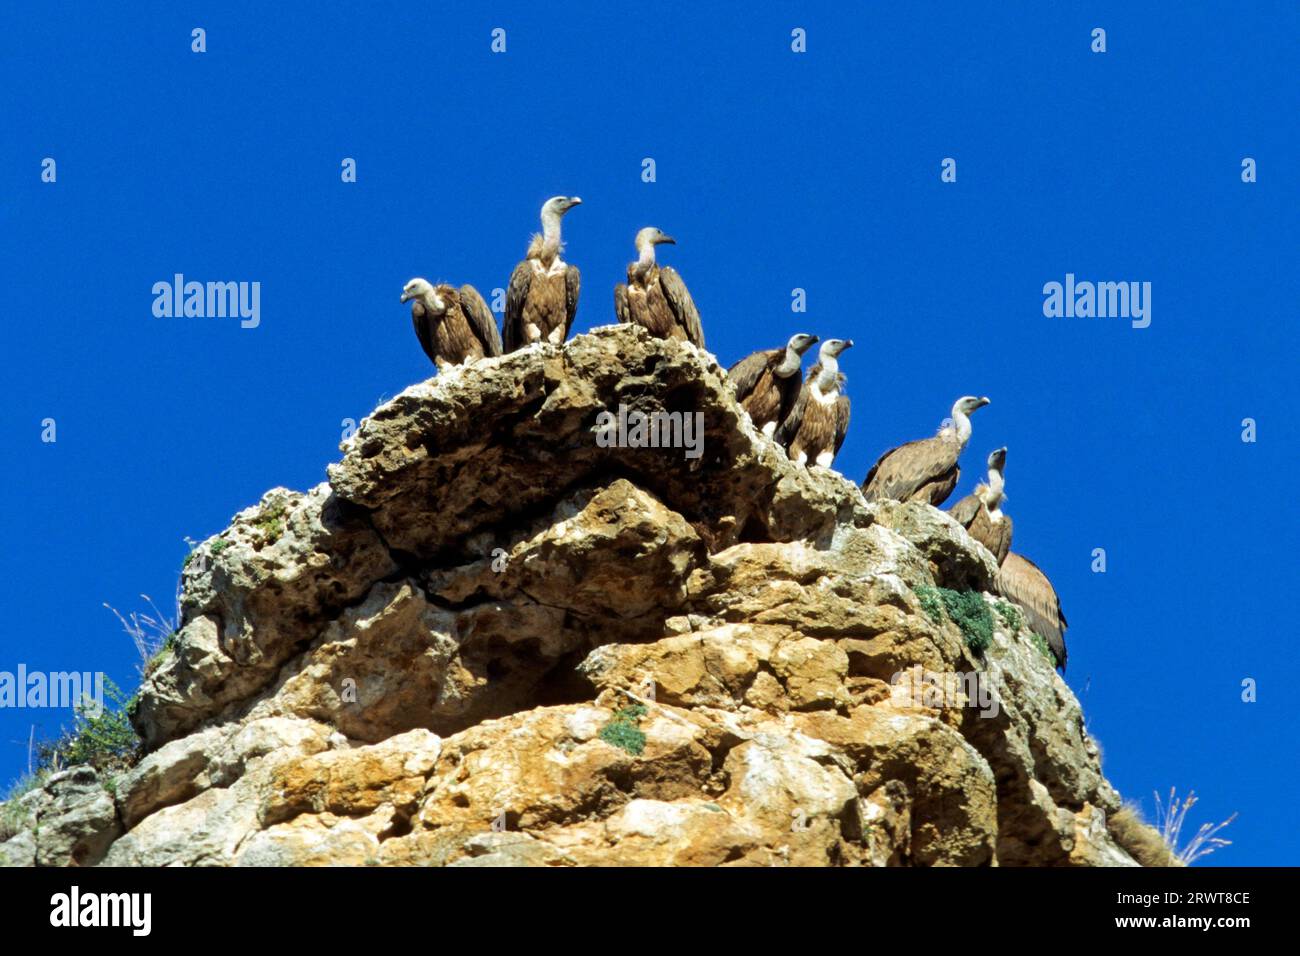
<point>488,640</point>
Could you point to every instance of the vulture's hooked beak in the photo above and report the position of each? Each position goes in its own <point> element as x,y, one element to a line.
<point>407,297</point>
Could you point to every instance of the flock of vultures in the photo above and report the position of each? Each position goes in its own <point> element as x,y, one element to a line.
<point>807,415</point>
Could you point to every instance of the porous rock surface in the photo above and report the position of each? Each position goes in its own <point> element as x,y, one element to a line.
<point>418,662</point>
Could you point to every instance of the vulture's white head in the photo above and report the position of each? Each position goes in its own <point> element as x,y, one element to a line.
<point>967,404</point>
<point>650,236</point>
<point>998,459</point>
<point>828,355</point>
<point>422,290</point>
<point>557,206</point>
<point>801,342</point>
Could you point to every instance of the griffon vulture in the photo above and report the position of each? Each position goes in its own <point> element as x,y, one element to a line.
<point>815,428</point>
<point>543,293</point>
<point>767,383</point>
<point>454,326</point>
<point>980,513</point>
<point>656,298</point>
<point>1021,580</point>
<point>924,470</point>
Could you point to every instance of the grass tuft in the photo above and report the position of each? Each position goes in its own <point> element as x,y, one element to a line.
<point>622,730</point>
<point>1171,817</point>
<point>966,609</point>
<point>1139,839</point>
<point>150,633</point>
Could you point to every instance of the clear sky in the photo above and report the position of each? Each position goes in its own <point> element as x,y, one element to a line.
<point>775,170</point>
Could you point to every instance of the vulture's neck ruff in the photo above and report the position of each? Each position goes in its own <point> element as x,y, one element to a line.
<point>434,304</point>
<point>959,431</point>
<point>828,379</point>
<point>993,496</point>
<point>645,260</point>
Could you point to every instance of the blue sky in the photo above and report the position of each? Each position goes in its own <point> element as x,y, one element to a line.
<point>775,170</point>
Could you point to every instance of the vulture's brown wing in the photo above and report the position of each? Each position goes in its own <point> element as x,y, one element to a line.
<point>964,511</point>
<point>744,375</point>
<point>1002,542</point>
<point>620,304</point>
<point>994,535</point>
<point>869,489</point>
<point>516,293</point>
<point>905,470</point>
<point>790,427</point>
<point>841,420</point>
<point>420,322</point>
<point>1020,580</point>
<point>880,479</point>
<point>938,490</point>
<point>683,306</point>
<point>481,321</point>
<point>572,284</point>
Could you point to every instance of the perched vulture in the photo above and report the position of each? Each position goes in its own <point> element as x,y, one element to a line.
<point>454,326</point>
<point>543,293</point>
<point>924,470</point>
<point>1020,580</point>
<point>815,428</point>
<point>980,513</point>
<point>767,383</point>
<point>656,298</point>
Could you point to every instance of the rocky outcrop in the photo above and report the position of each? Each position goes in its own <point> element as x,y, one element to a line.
<point>69,821</point>
<point>489,640</point>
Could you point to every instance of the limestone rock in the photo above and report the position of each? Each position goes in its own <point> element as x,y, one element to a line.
<point>283,570</point>
<point>77,823</point>
<point>490,641</point>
